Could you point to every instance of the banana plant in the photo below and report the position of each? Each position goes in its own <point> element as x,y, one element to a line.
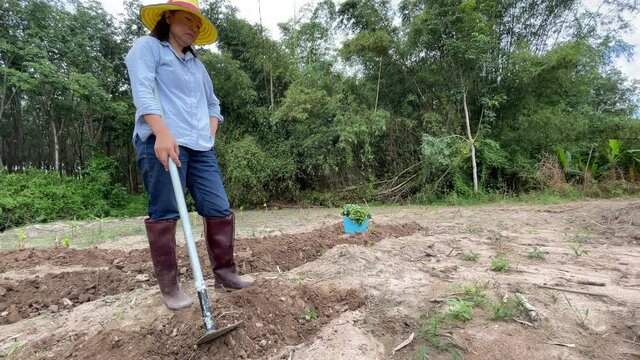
<point>574,166</point>
<point>619,160</point>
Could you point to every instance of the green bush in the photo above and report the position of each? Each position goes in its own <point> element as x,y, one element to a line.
<point>253,175</point>
<point>39,196</point>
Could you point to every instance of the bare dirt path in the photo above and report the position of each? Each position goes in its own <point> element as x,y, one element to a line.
<point>448,276</point>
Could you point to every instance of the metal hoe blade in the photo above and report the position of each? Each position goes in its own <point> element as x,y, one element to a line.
<point>213,334</point>
<point>209,326</point>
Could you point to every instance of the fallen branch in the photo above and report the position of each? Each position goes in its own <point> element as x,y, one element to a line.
<point>629,341</point>
<point>560,344</point>
<point>592,283</point>
<point>522,322</point>
<point>440,300</point>
<point>630,353</point>
<point>533,314</point>
<point>572,291</point>
<point>403,344</point>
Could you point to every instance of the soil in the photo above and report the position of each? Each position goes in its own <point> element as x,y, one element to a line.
<point>321,294</point>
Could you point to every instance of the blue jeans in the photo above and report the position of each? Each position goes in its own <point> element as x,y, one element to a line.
<point>199,169</point>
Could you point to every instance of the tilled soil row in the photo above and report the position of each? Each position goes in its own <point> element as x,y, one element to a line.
<point>126,271</point>
<point>273,316</point>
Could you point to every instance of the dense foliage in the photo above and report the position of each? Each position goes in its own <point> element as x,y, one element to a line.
<point>425,101</point>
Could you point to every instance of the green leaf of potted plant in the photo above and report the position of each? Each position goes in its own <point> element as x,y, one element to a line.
<point>355,218</point>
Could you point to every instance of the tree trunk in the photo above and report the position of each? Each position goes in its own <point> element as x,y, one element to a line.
<point>56,147</point>
<point>471,141</point>
<point>375,107</point>
<point>18,134</point>
<point>271,90</point>
<point>4,102</point>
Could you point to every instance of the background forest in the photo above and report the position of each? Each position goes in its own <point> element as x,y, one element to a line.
<point>429,101</point>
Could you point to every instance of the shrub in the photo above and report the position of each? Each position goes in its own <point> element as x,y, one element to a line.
<point>39,196</point>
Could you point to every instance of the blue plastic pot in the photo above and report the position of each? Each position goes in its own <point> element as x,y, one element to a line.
<point>352,227</point>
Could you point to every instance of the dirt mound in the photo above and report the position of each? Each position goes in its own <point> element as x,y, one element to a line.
<point>274,315</point>
<point>289,251</point>
<point>51,293</point>
<point>125,271</point>
<point>60,256</point>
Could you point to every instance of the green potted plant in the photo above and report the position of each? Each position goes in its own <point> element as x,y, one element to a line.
<point>355,218</point>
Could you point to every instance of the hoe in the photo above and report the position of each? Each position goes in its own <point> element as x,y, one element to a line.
<point>211,332</point>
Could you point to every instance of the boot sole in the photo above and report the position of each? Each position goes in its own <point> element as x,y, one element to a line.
<point>178,308</point>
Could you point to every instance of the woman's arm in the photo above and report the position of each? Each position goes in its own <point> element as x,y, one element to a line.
<point>142,62</point>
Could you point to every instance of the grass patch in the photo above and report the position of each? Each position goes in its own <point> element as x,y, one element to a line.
<point>505,309</point>
<point>471,256</point>
<point>581,315</point>
<point>78,234</point>
<point>309,315</point>
<point>460,309</point>
<point>476,293</point>
<point>578,250</point>
<point>553,294</point>
<point>536,253</point>
<point>437,330</point>
<point>500,264</point>
<point>15,348</point>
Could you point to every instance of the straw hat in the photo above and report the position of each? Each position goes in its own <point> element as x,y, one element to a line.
<point>150,14</point>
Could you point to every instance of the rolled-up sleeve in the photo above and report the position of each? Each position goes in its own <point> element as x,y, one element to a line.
<point>212,101</point>
<point>142,61</point>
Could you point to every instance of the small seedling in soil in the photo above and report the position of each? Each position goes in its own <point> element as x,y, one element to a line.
<point>302,276</point>
<point>474,293</point>
<point>308,315</point>
<point>505,309</point>
<point>500,264</point>
<point>430,330</point>
<point>470,256</point>
<point>118,314</point>
<point>580,238</point>
<point>16,347</point>
<point>549,330</point>
<point>66,242</point>
<point>578,250</point>
<point>554,295</point>
<point>423,353</point>
<point>472,230</point>
<point>21,237</point>
<point>460,309</point>
<point>434,330</point>
<point>536,253</point>
<point>581,315</point>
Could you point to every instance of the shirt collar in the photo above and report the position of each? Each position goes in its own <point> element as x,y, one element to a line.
<point>187,56</point>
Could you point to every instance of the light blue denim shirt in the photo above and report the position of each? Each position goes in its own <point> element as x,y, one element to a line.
<point>179,90</point>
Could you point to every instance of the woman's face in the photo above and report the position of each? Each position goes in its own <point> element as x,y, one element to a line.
<point>184,27</point>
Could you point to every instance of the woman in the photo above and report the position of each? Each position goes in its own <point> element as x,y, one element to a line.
<point>177,115</point>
